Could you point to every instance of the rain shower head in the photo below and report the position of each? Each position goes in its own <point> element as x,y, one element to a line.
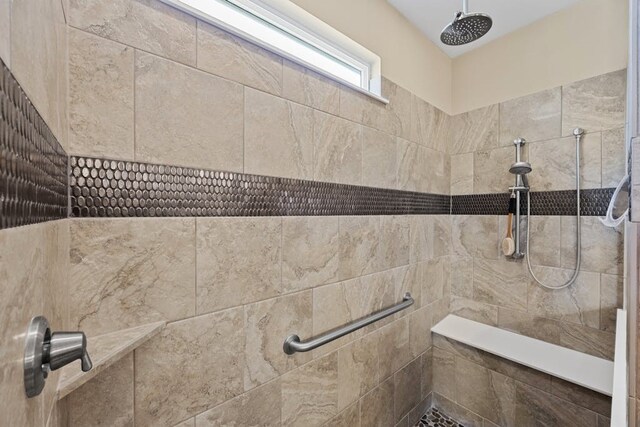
<point>466,27</point>
<point>520,168</point>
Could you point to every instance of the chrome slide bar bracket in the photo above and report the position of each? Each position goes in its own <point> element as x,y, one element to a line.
<point>293,344</point>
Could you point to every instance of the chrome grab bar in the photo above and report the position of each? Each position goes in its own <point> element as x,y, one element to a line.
<point>293,344</point>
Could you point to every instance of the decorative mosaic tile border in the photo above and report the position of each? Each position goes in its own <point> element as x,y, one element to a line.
<point>593,202</point>
<point>112,188</point>
<point>33,164</point>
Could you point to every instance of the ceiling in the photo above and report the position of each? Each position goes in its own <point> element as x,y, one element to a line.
<point>431,16</point>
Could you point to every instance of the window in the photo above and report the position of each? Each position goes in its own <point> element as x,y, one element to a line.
<point>288,30</point>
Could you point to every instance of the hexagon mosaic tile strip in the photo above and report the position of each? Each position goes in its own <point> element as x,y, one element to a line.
<point>33,165</point>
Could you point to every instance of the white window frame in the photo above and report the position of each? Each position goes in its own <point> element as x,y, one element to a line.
<point>279,26</point>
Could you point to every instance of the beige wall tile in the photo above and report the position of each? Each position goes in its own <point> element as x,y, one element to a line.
<point>475,235</point>
<point>462,174</point>
<point>379,162</point>
<point>554,163</point>
<point>310,250</point>
<point>474,310</point>
<point>359,245</point>
<point>594,104</point>
<point>394,347</point>
<point>436,278</point>
<point>233,58</point>
<point>5,33</point>
<point>278,137</point>
<point>267,325</point>
<point>438,166</point>
<point>578,303</point>
<point>500,283</point>
<point>459,413</point>
<point>444,373</point>
<point>127,272</point>
<point>187,117</point>
<point>393,250</point>
<point>581,396</point>
<point>406,390</point>
<point>535,407</point>
<point>602,247</point>
<point>373,293</point>
<point>332,309</point>
<point>376,409</point>
<point>148,25</point>
<point>587,340</point>
<point>238,261</point>
<point>545,240</point>
<point>427,374</point>
<point>429,125</point>
<point>462,277</point>
<point>420,322</point>
<point>170,385</point>
<point>611,299</point>
<point>310,393</point>
<point>614,163</point>
<point>337,150</point>
<point>533,117</point>
<point>357,370</point>
<point>106,399</point>
<point>350,417</point>
<point>260,406</point>
<point>475,130</point>
<point>430,236</point>
<point>309,88</point>
<point>39,59</point>
<point>487,393</point>
<point>100,97</point>
<point>491,170</point>
<point>191,422</point>
<point>527,324</point>
<point>412,166</point>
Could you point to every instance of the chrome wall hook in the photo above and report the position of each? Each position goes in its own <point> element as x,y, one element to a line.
<point>45,351</point>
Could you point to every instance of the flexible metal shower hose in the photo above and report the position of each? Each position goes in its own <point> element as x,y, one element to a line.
<point>578,135</point>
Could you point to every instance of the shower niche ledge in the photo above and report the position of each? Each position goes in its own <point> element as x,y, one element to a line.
<point>106,350</point>
<point>579,368</point>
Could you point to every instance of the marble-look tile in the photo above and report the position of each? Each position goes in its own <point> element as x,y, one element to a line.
<point>127,272</point>
<point>376,408</point>
<point>379,163</point>
<point>5,33</point>
<point>438,171</point>
<point>595,104</point>
<point>430,236</point>
<point>393,250</point>
<point>310,250</point>
<point>310,393</point>
<point>148,25</point>
<point>258,407</point>
<point>462,277</point>
<point>233,58</point>
<point>462,174</point>
<point>444,373</point>
<point>393,118</point>
<point>88,406</point>
<point>350,417</point>
<point>337,155</point>
<point>332,309</point>
<point>554,163</point>
<point>170,385</point>
<point>429,125</point>
<point>533,117</point>
<point>578,303</point>
<point>474,310</point>
<point>581,396</point>
<point>419,410</point>
<point>359,245</point>
<point>357,370</point>
<point>190,422</point>
<point>475,130</point>
<point>536,408</point>
<point>614,163</point>
<point>491,170</point>
<point>278,136</point>
<point>459,413</point>
<point>502,283</point>
<point>545,240</point>
<point>186,117</point>
<point>603,421</point>
<point>487,393</point>
<point>412,166</point>
<point>602,247</point>
<point>611,299</point>
<point>306,87</point>
<point>475,236</point>
<point>394,347</point>
<point>587,340</point>
<point>436,277</point>
<point>39,59</point>
<point>267,324</point>
<point>427,374</point>
<point>410,279</point>
<point>420,322</point>
<point>527,324</point>
<point>238,261</point>
<point>407,383</point>
<point>100,96</point>
<point>373,293</point>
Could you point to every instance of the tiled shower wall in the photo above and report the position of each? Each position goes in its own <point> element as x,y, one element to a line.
<point>150,84</point>
<point>34,259</point>
<point>493,289</point>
